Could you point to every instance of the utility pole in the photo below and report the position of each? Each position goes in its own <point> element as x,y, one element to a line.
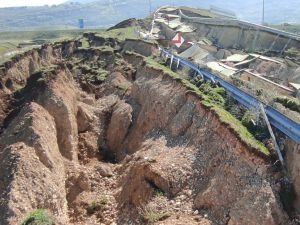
<point>150,7</point>
<point>263,13</point>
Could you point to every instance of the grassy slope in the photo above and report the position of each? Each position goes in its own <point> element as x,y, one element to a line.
<point>10,40</point>
<point>121,34</point>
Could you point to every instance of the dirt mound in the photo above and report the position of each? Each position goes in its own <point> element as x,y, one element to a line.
<point>132,22</point>
<point>107,139</point>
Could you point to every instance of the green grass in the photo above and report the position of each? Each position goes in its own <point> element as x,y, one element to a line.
<point>102,75</point>
<point>240,130</point>
<point>120,34</point>
<point>43,34</point>
<point>209,101</point>
<point>97,205</point>
<point>84,43</point>
<point>292,104</point>
<point>38,217</point>
<point>151,216</point>
<point>9,41</point>
<point>93,205</point>
<point>158,192</point>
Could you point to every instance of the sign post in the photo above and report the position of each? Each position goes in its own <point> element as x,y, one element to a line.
<point>178,40</point>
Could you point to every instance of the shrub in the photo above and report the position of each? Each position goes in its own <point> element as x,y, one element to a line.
<point>158,192</point>
<point>97,205</point>
<point>151,216</point>
<point>38,217</point>
<point>289,103</point>
<point>248,119</point>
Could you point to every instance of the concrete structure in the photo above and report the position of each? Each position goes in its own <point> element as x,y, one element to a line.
<point>233,33</point>
<point>266,84</point>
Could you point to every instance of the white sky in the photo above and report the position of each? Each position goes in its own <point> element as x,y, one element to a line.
<point>9,3</point>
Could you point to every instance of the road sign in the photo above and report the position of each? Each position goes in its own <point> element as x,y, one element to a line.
<point>178,40</point>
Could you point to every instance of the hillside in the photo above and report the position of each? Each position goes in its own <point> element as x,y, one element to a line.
<point>108,12</point>
<point>94,134</point>
<point>110,128</point>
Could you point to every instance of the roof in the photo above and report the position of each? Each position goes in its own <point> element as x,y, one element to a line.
<point>185,29</point>
<point>221,68</point>
<point>205,41</point>
<point>236,58</point>
<point>194,52</point>
<point>295,85</point>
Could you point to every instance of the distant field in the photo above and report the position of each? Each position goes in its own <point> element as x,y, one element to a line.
<point>9,41</point>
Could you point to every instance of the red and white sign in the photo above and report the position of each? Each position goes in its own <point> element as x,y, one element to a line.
<point>178,40</point>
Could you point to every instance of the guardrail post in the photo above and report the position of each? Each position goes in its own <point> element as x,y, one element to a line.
<point>255,40</point>
<point>172,58</point>
<point>178,62</point>
<point>272,134</point>
<point>273,43</point>
<point>284,48</point>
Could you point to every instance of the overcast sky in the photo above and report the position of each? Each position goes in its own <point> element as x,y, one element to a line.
<point>9,3</point>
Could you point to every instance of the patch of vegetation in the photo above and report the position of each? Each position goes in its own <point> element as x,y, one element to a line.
<point>291,104</point>
<point>84,43</point>
<point>248,119</point>
<point>151,216</point>
<point>294,54</point>
<point>213,93</point>
<point>240,130</point>
<point>292,28</point>
<point>38,217</point>
<point>158,192</point>
<point>101,75</point>
<point>104,48</point>
<point>93,206</point>
<point>97,205</point>
<point>120,34</point>
<point>9,41</point>
<point>124,87</point>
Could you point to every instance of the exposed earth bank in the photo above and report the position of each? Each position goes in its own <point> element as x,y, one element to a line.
<point>98,137</point>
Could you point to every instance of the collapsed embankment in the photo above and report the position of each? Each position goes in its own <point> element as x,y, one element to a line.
<point>106,138</point>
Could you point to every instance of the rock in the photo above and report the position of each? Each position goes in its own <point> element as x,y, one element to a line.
<point>196,212</point>
<point>292,150</point>
<point>59,97</point>
<point>118,127</point>
<point>84,182</point>
<point>222,54</point>
<point>89,100</point>
<point>34,159</point>
<point>84,117</point>
<point>117,80</point>
<point>258,206</point>
<point>183,120</point>
<point>104,170</point>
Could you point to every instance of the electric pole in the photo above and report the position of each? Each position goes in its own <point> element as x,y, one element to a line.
<point>150,7</point>
<point>263,13</point>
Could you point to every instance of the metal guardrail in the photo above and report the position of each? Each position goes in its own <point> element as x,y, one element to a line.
<point>277,119</point>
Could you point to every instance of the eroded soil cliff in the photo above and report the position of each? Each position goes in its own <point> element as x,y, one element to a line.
<point>98,137</point>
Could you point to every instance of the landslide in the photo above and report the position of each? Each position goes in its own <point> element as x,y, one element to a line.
<point>95,134</point>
